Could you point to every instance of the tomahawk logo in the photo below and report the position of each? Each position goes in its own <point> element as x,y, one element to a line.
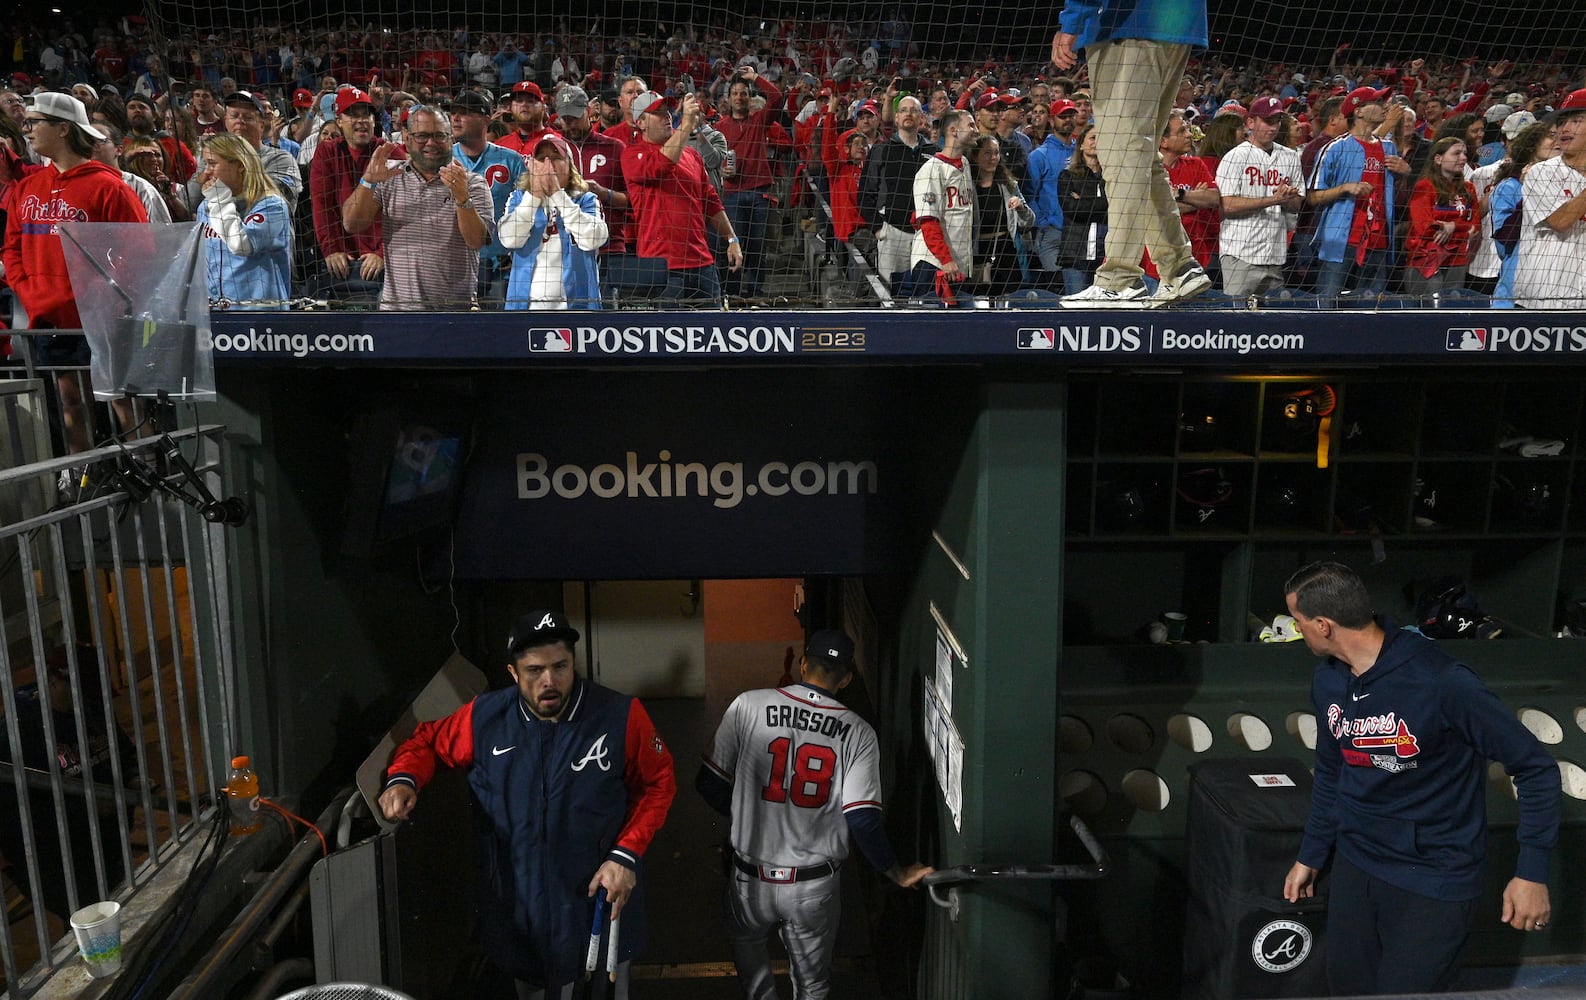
<point>551,341</point>
<point>1281,946</point>
<point>1466,340</point>
<point>1401,741</point>
<point>597,753</point>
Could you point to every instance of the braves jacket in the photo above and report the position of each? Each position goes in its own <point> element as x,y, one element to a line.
<point>553,801</point>
<point>1401,754</point>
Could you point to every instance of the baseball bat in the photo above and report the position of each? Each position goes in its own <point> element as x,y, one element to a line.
<point>611,947</point>
<point>592,955</point>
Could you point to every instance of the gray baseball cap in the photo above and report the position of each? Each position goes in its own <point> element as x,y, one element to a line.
<point>571,101</point>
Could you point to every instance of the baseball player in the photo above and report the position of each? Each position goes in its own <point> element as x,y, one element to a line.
<point>944,214</point>
<point>570,782</point>
<point>1262,192</point>
<point>1552,269</point>
<point>798,774</point>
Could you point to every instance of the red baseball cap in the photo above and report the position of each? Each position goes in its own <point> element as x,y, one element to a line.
<point>867,106</point>
<point>1265,107</point>
<point>1575,100</point>
<point>1063,106</point>
<point>1361,96</point>
<point>991,99</point>
<point>346,99</point>
<point>302,97</point>
<point>529,88</point>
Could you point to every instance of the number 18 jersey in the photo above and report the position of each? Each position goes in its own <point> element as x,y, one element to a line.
<point>798,762</point>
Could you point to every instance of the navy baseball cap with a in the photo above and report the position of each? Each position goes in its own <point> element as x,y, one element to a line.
<point>540,628</point>
<point>830,644</point>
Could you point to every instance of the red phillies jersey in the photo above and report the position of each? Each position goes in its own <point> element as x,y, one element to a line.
<point>600,160</point>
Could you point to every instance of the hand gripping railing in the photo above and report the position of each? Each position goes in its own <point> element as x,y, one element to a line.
<point>1100,865</point>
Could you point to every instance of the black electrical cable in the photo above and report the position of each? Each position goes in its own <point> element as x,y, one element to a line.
<point>166,935</point>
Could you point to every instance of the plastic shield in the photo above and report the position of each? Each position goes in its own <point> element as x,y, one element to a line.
<point>142,296</point>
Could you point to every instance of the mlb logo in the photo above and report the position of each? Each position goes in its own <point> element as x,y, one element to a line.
<point>1035,339</point>
<point>1467,340</point>
<point>550,341</point>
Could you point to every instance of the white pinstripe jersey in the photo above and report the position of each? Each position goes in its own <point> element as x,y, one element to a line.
<point>798,762</point>
<point>1551,273</point>
<point>945,192</point>
<point>1248,171</point>
<point>1484,259</point>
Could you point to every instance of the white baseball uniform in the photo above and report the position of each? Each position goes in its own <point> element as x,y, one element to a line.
<point>943,190</point>
<point>1552,269</point>
<point>799,762</point>
<point>1248,171</point>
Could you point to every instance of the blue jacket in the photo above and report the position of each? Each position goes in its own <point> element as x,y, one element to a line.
<point>542,828</point>
<point>1342,161</point>
<point>265,275</point>
<point>1040,184</point>
<point>580,267</point>
<point>552,802</point>
<point>1401,756</point>
<point>1178,21</point>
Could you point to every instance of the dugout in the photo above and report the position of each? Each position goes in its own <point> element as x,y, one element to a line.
<point>1006,588</point>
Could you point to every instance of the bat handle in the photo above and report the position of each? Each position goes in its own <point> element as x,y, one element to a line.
<point>611,947</point>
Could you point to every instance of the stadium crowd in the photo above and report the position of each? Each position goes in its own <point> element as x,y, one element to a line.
<point>778,162</point>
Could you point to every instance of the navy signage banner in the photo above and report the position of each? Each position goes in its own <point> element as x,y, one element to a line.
<point>1187,337</point>
<point>582,476</point>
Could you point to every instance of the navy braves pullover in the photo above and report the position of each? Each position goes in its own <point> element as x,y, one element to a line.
<point>1401,752</point>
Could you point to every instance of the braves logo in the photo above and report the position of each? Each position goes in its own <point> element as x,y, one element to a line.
<point>596,754</point>
<point>1401,741</point>
<point>1281,946</point>
<point>1372,732</point>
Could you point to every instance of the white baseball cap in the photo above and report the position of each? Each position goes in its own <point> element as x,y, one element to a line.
<point>651,101</point>
<point>68,109</point>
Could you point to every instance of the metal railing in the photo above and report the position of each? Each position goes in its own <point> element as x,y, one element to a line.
<point>115,678</point>
<point>1100,864</point>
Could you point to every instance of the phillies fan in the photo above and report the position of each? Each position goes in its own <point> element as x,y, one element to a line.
<point>247,228</point>
<point>73,188</point>
<point>944,214</point>
<point>598,158</point>
<point>528,113</point>
<point>673,199</point>
<point>570,783</point>
<point>1262,192</point>
<point>1399,803</point>
<point>500,167</point>
<point>1552,269</point>
<point>747,173</point>
<point>799,775</point>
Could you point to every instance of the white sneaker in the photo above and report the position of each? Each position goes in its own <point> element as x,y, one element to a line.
<point>1186,286</point>
<point>1097,297</point>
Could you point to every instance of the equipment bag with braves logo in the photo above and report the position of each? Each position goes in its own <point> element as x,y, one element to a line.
<point>1242,938</point>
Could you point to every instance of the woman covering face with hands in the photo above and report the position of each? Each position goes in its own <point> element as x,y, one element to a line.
<point>554,228</point>
<point>247,228</point>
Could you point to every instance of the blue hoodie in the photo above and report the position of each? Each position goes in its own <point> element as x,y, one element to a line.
<point>1401,754</point>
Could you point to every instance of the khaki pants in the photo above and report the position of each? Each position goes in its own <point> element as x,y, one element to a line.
<point>1134,82</point>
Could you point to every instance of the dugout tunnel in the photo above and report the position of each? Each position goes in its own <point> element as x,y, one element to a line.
<point>951,517</point>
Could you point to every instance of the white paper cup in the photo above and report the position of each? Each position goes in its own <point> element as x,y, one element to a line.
<point>98,930</point>
<point>1176,622</point>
